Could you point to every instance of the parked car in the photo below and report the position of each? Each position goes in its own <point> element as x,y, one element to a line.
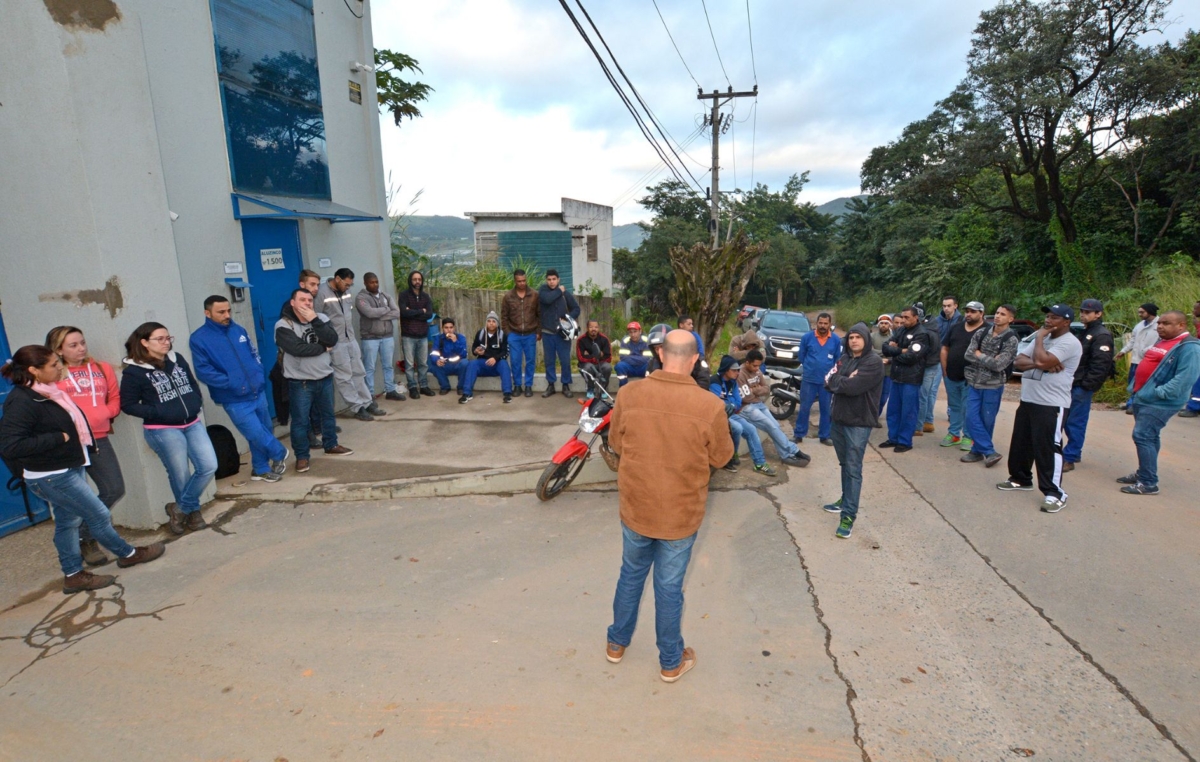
<point>749,317</point>
<point>780,332</point>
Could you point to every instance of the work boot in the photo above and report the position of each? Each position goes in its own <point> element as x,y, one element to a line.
<point>142,555</point>
<point>549,391</point>
<point>364,415</point>
<point>92,554</point>
<point>426,391</point>
<point>85,580</point>
<point>414,393</point>
<point>196,520</point>
<point>374,409</point>
<point>518,391</point>
<point>529,391</point>
<point>176,520</point>
<point>394,396</point>
<point>1068,466</point>
<point>567,391</point>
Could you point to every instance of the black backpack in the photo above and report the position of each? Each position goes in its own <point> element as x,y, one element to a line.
<point>228,462</point>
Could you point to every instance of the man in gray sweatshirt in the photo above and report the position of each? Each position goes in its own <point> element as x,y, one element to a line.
<point>335,301</point>
<point>376,315</point>
<point>989,354</point>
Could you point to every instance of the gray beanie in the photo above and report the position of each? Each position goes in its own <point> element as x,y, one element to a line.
<point>493,316</point>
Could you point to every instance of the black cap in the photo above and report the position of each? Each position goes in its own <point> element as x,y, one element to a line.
<point>1151,308</point>
<point>1062,310</point>
<point>1091,305</point>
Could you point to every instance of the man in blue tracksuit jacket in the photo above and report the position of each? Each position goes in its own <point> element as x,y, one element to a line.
<point>634,355</point>
<point>229,366</point>
<point>819,353</point>
<point>448,357</point>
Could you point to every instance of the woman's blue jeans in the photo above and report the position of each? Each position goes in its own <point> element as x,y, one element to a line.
<point>670,561</point>
<point>175,447</point>
<point>74,504</point>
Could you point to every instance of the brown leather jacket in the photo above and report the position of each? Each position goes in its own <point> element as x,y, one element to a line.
<point>668,432</point>
<point>519,315</point>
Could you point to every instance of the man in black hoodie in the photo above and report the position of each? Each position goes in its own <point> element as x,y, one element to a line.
<point>415,310</point>
<point>856,383</point>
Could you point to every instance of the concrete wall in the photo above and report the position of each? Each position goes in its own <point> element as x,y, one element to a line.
<point>586,219</point>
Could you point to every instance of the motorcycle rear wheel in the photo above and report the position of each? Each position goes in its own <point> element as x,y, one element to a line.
<point>558,476</point>
<point>780,407</point>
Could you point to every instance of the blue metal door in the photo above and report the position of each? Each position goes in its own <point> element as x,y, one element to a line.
<point>273,271</point>
<point>14,514</point>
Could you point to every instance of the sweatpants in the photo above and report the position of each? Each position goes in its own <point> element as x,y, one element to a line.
<point>1037,438</point>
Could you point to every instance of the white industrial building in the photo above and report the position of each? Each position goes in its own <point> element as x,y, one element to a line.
<point>158,151</point>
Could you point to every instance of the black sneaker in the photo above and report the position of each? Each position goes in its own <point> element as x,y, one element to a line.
<point>394,396</point>
<point>887,443</point>
<point>518,390</point>
<point>833,507</point>
<point>731,467</point>
<point>1139,489</point>
<point>426,391</point>
<point>901,448</point>
<point>414,393</point>
<point>1011,486</point>
<point>507,398</point>
<point>465,399</point>
<point>796,461</point>
<point>1130,479</point>
<point>827,441</point>
<point>972,457</point>
<point>444,391</point>
<point>993,459</point>
<point>1188,413</point>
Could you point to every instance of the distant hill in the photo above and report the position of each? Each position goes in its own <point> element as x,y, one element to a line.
<point>837,207</point>
<point>628,236</point>
<point>435,234</point>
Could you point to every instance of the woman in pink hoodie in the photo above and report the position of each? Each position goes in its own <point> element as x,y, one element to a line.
<point>92,385</point>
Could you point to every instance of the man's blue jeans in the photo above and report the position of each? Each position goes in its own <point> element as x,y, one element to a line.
<point>175,447</point>
<point>929,389</point>
<point>522,357</point>
<point>253,420</point>
<point>627,370</point>
<point>416,361</point>
<point>555,347</point>
<point>902,413</point>
<point>758,415</point>
<point>887,390</point>
<point>383,350</point>
<point>1194,402</point>
<point>75,504</point>
<point>442,373</point>
<point>850,442</point>
<point>1147,423</point>
<point>311,399</point>
<point>1075,427</point>
<point>956,404</point>
<point>479,367</point>
<point>810,393</point>
<point>739,427</point>
<point>982,407</point>
<point>670,560</point>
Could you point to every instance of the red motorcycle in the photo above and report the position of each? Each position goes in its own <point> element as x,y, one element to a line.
<point>571,457</point>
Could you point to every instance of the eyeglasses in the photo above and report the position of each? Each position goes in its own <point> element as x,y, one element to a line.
<point>165,339</point>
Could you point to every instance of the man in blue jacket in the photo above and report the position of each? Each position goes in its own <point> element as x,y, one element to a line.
<point>229,366</point>
<point>554,303</point>
<point>634,353</point>
<point>448,357</point>
<point>819,352</point>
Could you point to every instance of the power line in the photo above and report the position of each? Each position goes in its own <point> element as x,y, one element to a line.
<point>654,171</point>
<point>750,30</point>
<point>636,94</point>
<point>714,40</point>
<point>672,39</point>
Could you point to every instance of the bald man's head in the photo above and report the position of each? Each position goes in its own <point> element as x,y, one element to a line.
<point>679,352</point>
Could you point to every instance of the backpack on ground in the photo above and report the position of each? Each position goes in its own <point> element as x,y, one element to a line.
<point>228,462</point>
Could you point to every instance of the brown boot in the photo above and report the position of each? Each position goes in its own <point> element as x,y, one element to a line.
<point>176,519</point>
<point>142,555</point>
<point>92,554</point>
<point>195,520</point>
<point>85,580</point>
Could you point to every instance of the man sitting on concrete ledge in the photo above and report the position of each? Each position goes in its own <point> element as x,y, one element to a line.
<point>448,357</point>
<point>490,350</point>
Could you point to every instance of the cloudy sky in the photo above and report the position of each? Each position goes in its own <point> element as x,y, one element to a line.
<point>522,114</point>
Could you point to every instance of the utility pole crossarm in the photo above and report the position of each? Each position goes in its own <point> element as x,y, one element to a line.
<point>718,99</point>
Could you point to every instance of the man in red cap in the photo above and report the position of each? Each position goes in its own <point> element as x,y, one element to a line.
<point>634,354</point>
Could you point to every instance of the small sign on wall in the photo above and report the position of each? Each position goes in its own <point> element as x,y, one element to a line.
<point>324,262</point>
<point>233,268</point>
<point>272,259</point>
<point>355,92</point>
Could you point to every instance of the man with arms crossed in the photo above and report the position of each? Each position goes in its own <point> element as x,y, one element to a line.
<point>669,433</point>
<point>988,356</point>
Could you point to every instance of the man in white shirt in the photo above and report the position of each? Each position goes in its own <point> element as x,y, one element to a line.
<point>1145,335</point>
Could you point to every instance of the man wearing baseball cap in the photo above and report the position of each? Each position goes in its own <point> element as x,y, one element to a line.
<point>954,374</point>
<point>1095,367</point>
<point>1047,366</point>
<point>634,354</point>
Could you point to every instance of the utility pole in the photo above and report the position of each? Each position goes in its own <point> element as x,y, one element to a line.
<point>718,99</point>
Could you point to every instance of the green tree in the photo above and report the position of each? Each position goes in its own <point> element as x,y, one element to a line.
<point>396,95</point>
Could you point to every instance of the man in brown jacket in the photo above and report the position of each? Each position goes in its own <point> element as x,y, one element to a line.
<point>743,343</point>
<point>519,317</point>
<point>669,433</point>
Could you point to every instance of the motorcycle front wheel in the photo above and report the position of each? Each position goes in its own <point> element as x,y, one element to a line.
<point>611,459</point>
<point>781,407</point>
<point>558,476</point>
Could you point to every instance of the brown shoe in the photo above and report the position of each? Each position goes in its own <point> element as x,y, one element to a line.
<point>928,428</point>
<point>689,661</point>
<point>918,433</point>
<point>85,580</point>
<point>176,519</point>
<point>1068,466</point>
<point>614,653</point>
<point>142,555</point>
<point>302,465</point>
<point>92,554</point>
<point>195,520</point>
<point>339,450</point>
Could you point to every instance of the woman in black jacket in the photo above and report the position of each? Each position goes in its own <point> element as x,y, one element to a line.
<point>158,386</point>
<point>47,439</point>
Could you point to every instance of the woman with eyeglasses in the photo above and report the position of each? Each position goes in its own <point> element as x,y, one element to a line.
<point>45,435</point>
<point>92,386</point>
<point>157,386</point>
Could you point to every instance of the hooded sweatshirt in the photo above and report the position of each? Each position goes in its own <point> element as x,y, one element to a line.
<point>338,307</point>
<point>165,397</point>
<point>227,362</point>
<point>415,309</point>
<point>856,383</point>
<point>93,387</point>
<point>740,345</point>
<point>305,345</point>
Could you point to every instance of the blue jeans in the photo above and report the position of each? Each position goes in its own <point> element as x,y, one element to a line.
<point>670,560</point>
<point>850,442</point>
<point>522,357</point>
<point>758,415</point>
<point>310,399</point>
<point>887,390</point>
<point>554,346</point>
<point>385,351</point>
<point>1132,374</point>
<point>740,428</point>
<point>254,422</point>
<point>626,370</point>
<point>479,367</point>
<point>1075,427</point>
<point>416,359</point>
<point>175,447</point>
<point>902,413</point>
<point>442,373</point>
<point>74,504</point>
<point>1194,402</point>
<point>810,393</point>
<point>929,390</point>
<point>1147,423</point>
<point>956,400</point>
<point>981,408</point>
